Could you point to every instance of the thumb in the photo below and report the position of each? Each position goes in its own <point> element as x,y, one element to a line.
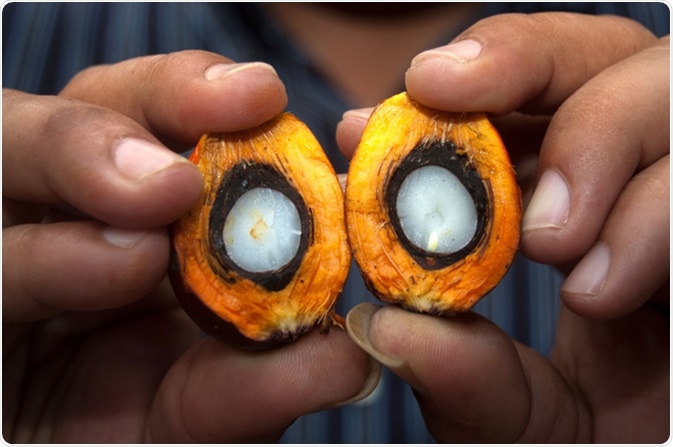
<point>473,383</point>
<point>218,393</point>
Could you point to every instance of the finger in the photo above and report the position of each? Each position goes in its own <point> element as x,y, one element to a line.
<point>97,379</point>
<point>77,266</point>
<point>632,258</point>
<point>349,130</point>
<point>217,393</point>
<point>15,212</point>
<point>95,160</point>
<point>621,368</point>
<point>594,145</point>
<point>182,95</point>
<point>505,62</point>
<point>472,383</point>
<point>523,136</point>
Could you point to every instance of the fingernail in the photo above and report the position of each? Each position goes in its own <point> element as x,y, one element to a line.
<point>550,204</point>
<point>358,324</point>
<point>137,159</point>
<point>122,238</point>
<point>370,384</point>
<point>357,114</point>
<point>343,179</point>
<point>221,71</point>
<point>588,277</point>
<point>462,51</point>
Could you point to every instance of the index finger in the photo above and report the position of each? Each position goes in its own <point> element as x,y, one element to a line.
<point>184,94</point>
<point>217,393</point>
<point>472,382</point>
<point>522,62</point>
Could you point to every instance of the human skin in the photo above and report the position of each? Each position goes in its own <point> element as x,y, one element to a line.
<point>71,324</point>
<point>600,210</point>
<point>95,347</point>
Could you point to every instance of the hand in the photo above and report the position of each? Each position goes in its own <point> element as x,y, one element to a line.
<point>95,347</point>
<point>599,90</point>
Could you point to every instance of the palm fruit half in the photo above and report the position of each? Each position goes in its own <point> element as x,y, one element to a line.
<point>433,209</point>
<point>265,251</point>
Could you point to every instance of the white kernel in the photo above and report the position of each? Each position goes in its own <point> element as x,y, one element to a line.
<point>436,211</point>
<point>262,231</point>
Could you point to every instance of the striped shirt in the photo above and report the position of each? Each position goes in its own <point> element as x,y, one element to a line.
<point>46,44</point>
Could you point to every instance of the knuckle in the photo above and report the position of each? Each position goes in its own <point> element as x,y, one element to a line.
<point>71,115</point>
<point>83,81</point>
<point>657,182</point>
<point>75,123</point>
<point>185,61</point>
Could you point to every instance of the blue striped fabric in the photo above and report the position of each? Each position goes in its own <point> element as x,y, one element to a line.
<point>45,44</point>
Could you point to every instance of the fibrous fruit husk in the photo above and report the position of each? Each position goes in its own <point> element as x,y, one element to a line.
<point>401,136</point>
<point>265,308</point>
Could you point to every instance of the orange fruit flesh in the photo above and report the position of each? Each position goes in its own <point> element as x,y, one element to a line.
<point>397,128</point>
<point>265,308</point>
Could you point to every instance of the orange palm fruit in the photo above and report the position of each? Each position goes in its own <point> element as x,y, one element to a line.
<point>265,251</point>
<point>433,209</point>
